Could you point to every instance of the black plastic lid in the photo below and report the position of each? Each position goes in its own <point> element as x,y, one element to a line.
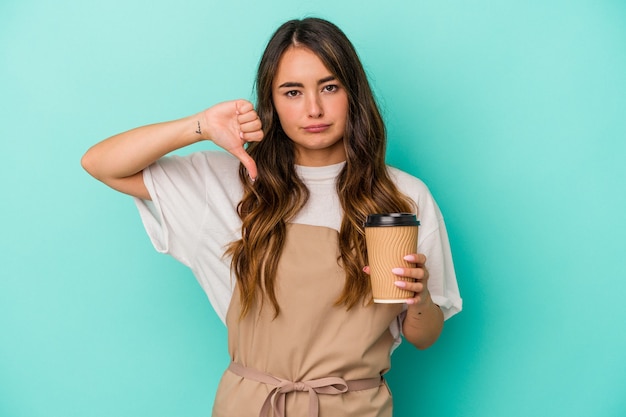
<point>391,219</point>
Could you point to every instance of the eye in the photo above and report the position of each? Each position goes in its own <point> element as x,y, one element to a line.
<point>292,93</point>
<point>330,88</point>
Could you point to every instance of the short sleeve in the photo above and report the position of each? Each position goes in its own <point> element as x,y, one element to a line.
<point>442,282</point>
<point>192,216</point>
<point>434,243</point>
<point>174,216</point>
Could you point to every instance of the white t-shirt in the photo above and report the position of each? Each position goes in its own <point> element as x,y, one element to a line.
<point>193,217</point>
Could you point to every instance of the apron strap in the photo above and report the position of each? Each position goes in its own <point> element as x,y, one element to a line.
<point>275,400</point>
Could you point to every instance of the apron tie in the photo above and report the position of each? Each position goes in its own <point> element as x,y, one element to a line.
<point>275,400</point>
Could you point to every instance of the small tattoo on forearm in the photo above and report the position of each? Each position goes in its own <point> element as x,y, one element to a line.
<point>199,131</point>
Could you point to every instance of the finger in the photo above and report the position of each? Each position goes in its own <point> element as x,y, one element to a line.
<point>416,287</point>
<point>250,126</point>
<point>417,258</point>
<point>247,161</point>
<point>420,297</point>
<point>247,116</point>
<point>255,136</point>
<point>243,106</point>
<point>417,273</point>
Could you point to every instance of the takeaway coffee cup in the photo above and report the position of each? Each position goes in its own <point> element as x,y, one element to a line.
<point>389,238</point>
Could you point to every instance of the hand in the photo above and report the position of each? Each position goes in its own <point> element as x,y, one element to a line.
<point>424,320</point>
<point>420,286</point>
<point>230,125</point>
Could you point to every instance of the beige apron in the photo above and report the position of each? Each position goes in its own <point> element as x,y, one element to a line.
<point>314,352</point>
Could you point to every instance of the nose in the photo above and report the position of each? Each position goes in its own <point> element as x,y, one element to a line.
<point>314,106</point>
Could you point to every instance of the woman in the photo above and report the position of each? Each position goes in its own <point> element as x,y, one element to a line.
<point>285,217</point>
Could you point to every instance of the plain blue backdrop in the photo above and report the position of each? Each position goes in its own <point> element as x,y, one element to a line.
<point>512,112</point>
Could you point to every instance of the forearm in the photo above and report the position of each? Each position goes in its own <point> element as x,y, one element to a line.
<point>423,324</point>
<point>119,160</point>
<point>130,152</point>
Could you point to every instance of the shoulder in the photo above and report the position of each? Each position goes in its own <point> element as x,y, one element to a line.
<point>426,207</point>
<point>410,185</point>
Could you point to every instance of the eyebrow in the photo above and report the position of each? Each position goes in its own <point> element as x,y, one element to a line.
<point>289,84</point>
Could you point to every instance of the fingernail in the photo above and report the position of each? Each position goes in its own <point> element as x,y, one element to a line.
<point>409,258</point>
<point>401,284</point>
<point>241,135</point>
<point>398,271</point>
<point>410,301</point>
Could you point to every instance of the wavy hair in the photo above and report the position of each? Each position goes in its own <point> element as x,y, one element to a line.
<point>363,185</point>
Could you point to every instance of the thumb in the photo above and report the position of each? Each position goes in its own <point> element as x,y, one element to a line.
<point>247,161</point>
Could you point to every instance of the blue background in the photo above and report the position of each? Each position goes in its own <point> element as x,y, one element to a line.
<point>512,112</point>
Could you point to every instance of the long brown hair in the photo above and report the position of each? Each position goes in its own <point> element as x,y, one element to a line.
<point>363,185</point>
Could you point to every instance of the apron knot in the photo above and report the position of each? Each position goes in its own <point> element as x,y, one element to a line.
<point>274,404</point>
<point>300,386</point>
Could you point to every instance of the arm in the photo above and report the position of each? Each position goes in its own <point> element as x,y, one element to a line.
<point>424,319</point>
<point>119,160</point>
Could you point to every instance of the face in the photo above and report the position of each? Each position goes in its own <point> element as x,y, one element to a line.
<point>312,106</point>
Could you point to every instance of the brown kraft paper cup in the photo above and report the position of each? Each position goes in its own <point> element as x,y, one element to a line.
<point>389,238</point>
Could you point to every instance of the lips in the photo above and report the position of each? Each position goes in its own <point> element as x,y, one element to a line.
<point>316,128</point>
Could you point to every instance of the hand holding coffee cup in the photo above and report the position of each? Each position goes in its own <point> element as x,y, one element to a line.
<point>389,238</point>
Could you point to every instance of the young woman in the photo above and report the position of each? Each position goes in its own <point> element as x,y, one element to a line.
<point>281,213</point>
